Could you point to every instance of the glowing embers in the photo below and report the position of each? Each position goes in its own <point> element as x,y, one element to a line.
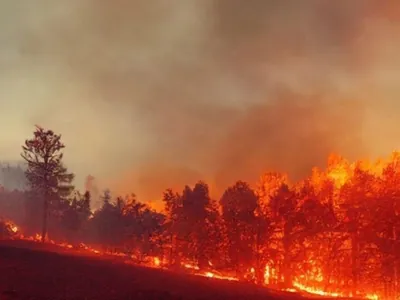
<point>271,275</point>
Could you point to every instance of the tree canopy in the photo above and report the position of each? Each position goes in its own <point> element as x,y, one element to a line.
<point>336,231</point>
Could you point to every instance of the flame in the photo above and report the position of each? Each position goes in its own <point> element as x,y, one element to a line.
<point>267,275</point>
<point>11,226</point>
<point>157,261</point>
<point>221,277</point>
<point>313,278</point>
<point>315,291</point>
<point>269,272</point>
<point>208,274</point>
<point>14,228</point>
<point>191,266</point>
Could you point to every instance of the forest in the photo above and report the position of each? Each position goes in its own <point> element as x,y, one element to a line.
<point>335,232</point>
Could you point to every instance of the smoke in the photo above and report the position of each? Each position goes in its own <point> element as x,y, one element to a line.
<point>157,94</point>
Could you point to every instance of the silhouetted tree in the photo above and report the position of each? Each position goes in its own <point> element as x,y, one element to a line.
<point>283,207</point>
<point>239,204</point>
<point>47,177</point>
<point>76,216</point>
<point>108,222</point>
<point>195,209</point>
<point>385,226</point>
<point>173,208</point>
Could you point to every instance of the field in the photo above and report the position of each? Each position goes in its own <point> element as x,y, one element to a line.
<point>34,271</point>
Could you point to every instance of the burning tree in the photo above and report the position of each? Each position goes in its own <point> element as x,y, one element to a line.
<point>191,223</point>
<point>172,202</point>
<point>47,177</point>
<point>239,204</point>
<point>334,233</point>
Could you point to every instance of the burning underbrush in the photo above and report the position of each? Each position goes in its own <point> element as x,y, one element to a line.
<point>10,231</point>
<point>335,234</point>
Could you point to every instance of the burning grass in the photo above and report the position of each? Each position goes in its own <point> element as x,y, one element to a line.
<point>12,232</point>
<point>333,234</point>
<point>32,270</point>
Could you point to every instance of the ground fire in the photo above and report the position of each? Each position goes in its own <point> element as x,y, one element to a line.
<point>332,234</point>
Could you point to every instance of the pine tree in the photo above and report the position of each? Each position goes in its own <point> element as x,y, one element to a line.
<point>47,177</point>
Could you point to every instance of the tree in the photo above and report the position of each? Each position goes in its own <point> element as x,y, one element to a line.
<point>196,205</point>
<point>386,225</point>
<point>46,174</point>
<point>144,228</point>
<point>284,215</point>
<point>76,216</point>
<point>108,222</point>
<point>358,195</point>
<point>173,208</point>
<point>190,224</point>
<point>239,204</point>
<point>316,244</point>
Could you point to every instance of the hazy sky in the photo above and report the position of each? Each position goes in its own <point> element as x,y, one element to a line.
<point>156,94</point>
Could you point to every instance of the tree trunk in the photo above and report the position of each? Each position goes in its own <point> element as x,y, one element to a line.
<point>171,251</point>
<point>286,265</point>
<point>354,261</point>
<point>259,270</point>
<point>395,266</point>
<point>286,256</point>
<point>45,215</point>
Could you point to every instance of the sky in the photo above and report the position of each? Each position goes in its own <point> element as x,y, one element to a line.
<point>155,94</point>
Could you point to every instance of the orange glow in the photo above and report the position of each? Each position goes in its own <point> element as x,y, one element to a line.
<point>14,229</point>
<point>359,183</point>
<point>11,226</point>
<point>157,261</point>
<point>315,291</point>
<point>190,266</point>
<point>269,273</point>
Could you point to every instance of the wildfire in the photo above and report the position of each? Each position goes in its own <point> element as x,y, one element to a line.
<point>212,275</point>
<point>156,262</point>
<point>315,291</point>
<point>267,275</point>
<point>190,266</point>
<point>14,228</point>
<point>11,227</point>
<point>313,276</point>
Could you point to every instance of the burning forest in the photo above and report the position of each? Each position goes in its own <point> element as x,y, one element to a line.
<point>334,233</point>
<point>226,138</point>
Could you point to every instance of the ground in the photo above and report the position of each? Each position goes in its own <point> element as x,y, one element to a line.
<point>35,271</point>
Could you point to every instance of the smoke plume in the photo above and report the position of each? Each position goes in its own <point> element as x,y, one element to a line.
<point>157,94</point>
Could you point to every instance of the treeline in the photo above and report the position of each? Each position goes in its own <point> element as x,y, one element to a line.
<point>337,230</point>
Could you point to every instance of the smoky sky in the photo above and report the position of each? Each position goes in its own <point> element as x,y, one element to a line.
<point>162,93</point>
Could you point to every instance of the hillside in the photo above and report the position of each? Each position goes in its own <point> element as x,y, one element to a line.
<point>35,271</point>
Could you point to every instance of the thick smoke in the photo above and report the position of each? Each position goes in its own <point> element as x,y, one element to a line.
<point>157,94</point>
